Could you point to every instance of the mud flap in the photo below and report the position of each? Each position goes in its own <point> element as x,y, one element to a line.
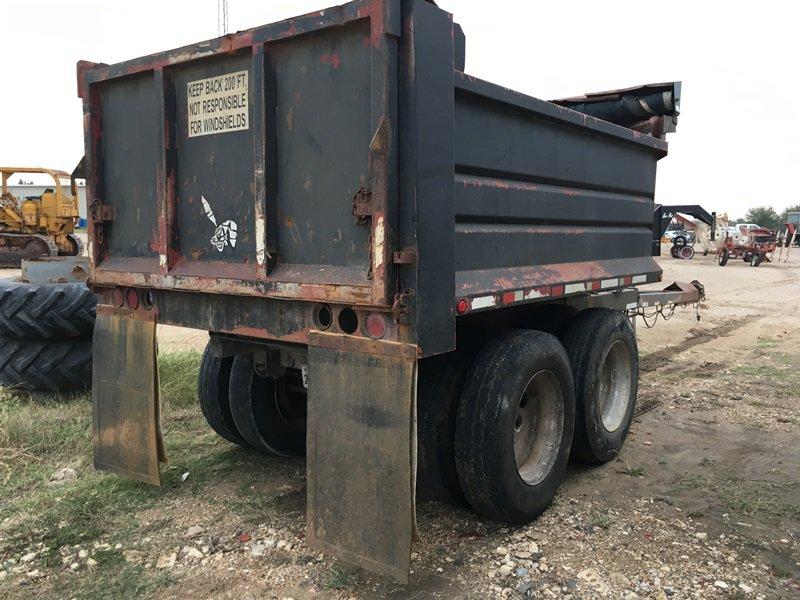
<point>361,458</point>
<point>127,422</point>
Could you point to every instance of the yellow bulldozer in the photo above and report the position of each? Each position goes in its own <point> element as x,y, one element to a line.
<point>39,226</point>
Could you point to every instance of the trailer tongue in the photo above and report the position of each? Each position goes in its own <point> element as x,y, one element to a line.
<point>406,272</point>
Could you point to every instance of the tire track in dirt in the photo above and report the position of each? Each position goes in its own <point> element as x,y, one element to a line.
<point>659,358</point>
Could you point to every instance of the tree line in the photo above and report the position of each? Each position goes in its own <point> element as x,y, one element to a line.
<point>766,216</point>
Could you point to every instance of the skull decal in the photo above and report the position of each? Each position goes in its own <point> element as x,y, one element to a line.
<point>225,234</point>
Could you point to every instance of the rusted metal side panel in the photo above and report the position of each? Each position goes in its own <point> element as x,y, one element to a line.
<point>361,452</point>
<point>548,202</point>
<point>242,200</point>
<point>127,432</point>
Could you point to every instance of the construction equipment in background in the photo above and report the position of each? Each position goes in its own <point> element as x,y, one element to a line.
<point>37,226</point>
<point>755,246</point>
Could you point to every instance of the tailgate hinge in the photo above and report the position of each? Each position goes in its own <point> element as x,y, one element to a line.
<point>406,256</point>
<point>401,308</point>
<point>362,206</point>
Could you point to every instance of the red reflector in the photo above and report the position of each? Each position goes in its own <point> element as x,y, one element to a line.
<point>376,325</point>
<point>132,298</point>
<point>118,297</point>
<point>462,307</point>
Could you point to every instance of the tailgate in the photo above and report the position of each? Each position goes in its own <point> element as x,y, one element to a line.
<point>237,165</point>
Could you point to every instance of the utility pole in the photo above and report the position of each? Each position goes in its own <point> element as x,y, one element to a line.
<point>222,17</point>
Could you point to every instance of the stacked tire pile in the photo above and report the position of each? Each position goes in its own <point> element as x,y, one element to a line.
<point>46,336</point>
<point>681,248</point>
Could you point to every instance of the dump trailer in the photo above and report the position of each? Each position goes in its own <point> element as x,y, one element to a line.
<point>418,279</point>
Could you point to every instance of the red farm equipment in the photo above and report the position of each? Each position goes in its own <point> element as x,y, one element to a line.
<point>751,245</point>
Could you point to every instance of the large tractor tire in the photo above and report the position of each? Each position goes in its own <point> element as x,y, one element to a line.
<point>514,426</point>
<point>602,350</point>
<point>45,365</point>
<point>268,413</point>
<point>214,397</point>
<point>46,310</point>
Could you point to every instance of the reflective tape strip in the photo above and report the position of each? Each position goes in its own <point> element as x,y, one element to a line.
<point>483,302</point>
<point>572,288</point>
<point>593,285</point>
<point>609,283</point>
<point>537,293</point>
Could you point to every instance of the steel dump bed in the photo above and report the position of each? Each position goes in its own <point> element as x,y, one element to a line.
<point>338,203</point>
<point>344,157</point>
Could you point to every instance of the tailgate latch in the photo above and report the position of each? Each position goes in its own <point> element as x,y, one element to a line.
<point>100,211</point>
<point>362,206</point>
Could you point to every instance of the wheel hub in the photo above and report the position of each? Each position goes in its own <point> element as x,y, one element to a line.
<point>615,386</point>
<point>538,427</point>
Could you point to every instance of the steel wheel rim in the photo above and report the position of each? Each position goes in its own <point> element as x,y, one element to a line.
<point>614,391</point>
<point>538,427</point>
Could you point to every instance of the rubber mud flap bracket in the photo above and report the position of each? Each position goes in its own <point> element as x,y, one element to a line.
<point>125,401</point>
<point>361,458</point>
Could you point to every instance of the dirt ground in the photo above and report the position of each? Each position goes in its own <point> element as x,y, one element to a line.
<point>703,502</point>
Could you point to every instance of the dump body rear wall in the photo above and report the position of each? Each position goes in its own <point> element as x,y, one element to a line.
<point>353,165</point>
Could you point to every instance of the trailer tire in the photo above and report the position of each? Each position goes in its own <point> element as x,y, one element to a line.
<point>756,259</point>
<point>686,253</point>
<point>214,397</point>
<point>498,426</point>
<point>722,257</point>
<point>259,410</point>
<point>601,346</point>
<point>46,310</point>
<point>440,382</point>
<point>674,252</point>
<point>45,365</point>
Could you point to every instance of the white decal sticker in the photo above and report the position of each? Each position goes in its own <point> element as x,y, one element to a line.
<point>217,104</point>
<point>225,234</point>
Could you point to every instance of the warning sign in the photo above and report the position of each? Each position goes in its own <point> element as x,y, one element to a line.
<point>218,104</point>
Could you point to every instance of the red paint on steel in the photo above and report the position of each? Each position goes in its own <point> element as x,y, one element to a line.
<point>331,59</point>
<point>376,325</point>
<point>132,298</point>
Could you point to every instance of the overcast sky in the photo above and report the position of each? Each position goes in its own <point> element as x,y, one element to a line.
<point>737,140</point>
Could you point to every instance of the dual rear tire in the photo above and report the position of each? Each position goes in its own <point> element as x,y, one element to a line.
<point>498,421</point>
<point>528,402</point>
<point>514,426</point>
<point>262,413</point>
